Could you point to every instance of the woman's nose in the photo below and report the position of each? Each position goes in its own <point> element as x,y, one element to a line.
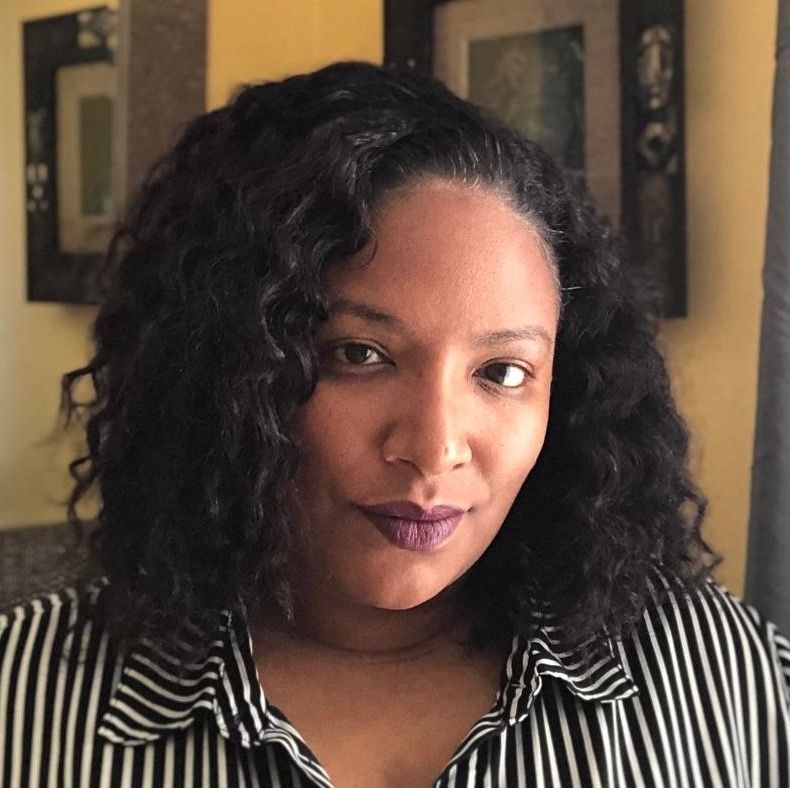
<point>430,430</point>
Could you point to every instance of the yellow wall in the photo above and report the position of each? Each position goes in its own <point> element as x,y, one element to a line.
<point>269,39</point>
<point>37,341</point>
<point>713,354</point>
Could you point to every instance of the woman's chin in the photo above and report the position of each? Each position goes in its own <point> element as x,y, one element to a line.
<point>399,599</point>
<point>407,592</point>
<point>403,595</point>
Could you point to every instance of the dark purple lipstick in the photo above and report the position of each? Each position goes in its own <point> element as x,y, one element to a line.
<point>409,526</point>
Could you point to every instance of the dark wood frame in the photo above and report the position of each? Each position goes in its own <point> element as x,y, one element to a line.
<point>48,44</point>
<point>656,242</point>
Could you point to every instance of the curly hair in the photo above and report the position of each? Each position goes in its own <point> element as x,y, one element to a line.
<point>204,351</point>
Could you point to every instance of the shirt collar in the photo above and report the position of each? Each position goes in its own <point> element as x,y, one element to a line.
<point>150,700</point>
<point>592,671</point>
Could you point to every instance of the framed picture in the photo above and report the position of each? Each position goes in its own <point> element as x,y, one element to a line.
<point>105,97</point>
<point>598,83</point>
<point>69,108</point>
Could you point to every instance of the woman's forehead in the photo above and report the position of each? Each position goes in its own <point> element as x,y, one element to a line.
<point>448,263</point>
<point>449,248</point>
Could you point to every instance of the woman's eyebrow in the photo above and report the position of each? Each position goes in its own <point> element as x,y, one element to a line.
<point>528,333</point>
<point>365,312</point>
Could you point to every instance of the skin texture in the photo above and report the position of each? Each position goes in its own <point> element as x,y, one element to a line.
<point>422,411</point>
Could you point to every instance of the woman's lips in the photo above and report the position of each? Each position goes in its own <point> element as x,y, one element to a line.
<point>408,526</point>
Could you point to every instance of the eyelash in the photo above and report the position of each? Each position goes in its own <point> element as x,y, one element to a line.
<point>332,353</point>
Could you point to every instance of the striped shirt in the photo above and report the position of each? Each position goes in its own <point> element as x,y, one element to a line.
<point>696,696</point>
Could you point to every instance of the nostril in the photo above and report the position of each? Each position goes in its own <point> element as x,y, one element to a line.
<point>431,461</point>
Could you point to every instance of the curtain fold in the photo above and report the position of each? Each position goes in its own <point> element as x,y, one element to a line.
<point>768,564</point>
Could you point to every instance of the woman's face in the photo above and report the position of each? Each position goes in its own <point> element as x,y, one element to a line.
<point>434,390</point>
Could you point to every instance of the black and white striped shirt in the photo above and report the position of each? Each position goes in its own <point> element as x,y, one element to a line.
<point>697,696</point>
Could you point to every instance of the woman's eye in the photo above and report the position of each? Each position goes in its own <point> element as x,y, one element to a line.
<point>510,376</point>
<point>357,354</point>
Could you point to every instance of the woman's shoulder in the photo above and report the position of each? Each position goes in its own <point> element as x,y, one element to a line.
<point>51,638</point>
<point>711,604</point>
<point>710,637</point>
<point>69,604</point>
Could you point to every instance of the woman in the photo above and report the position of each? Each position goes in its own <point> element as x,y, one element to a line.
<point>394,491</point>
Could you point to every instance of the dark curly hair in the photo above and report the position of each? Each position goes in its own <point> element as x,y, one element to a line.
<point>204,351</point>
